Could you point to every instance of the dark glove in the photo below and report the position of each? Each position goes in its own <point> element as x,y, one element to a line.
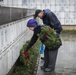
<point>26,55</point>
<point>43,38</point>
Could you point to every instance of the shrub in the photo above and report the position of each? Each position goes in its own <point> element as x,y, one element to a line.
<point>27,68</point>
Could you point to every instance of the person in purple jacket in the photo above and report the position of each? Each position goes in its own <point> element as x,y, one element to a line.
<point>50,19</point>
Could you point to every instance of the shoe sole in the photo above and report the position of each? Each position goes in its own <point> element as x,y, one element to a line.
<point>48,71</point>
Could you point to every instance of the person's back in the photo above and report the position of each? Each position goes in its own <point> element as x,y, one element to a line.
<point>51,19</point>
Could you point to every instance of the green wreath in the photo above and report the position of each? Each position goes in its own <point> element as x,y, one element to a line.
<point>49,37</point>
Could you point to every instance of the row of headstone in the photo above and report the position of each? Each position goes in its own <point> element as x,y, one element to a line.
<point>11,3</point>
<point>12,37</point>
<point>64,9</point>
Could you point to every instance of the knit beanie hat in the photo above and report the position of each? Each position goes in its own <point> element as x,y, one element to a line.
<point>32,23</point>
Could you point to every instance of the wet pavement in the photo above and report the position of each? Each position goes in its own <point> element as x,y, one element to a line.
<point>66,59</point>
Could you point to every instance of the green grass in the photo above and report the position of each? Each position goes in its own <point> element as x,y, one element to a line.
<point>69,31</point>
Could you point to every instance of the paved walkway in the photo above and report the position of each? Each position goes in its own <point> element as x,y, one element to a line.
<point>66,59</point>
